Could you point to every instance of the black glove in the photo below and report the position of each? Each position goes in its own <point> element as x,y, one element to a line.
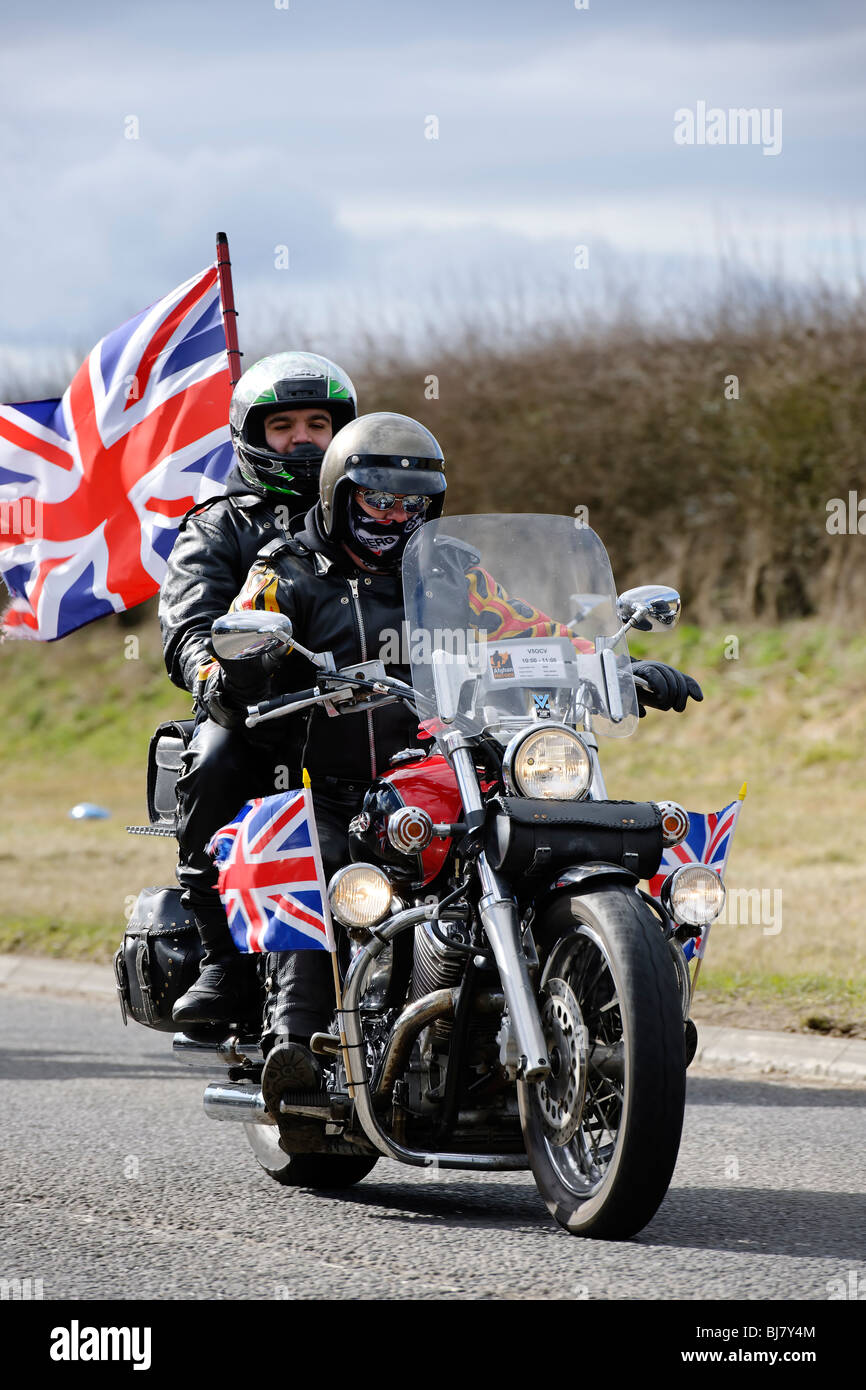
<point>237,683</point>
<point>669,688</point>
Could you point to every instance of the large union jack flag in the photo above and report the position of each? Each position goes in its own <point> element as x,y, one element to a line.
<point>271,878</point>
<point>708,842</point>
<point>94,486</point>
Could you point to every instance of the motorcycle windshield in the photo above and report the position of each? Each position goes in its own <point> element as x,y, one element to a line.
<point>513,618</point>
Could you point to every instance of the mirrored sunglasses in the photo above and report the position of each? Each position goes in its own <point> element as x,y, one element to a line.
<point>384,501</point>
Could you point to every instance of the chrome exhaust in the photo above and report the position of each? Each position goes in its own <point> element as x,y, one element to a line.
<point>236,1100</point>
<point>202,1055</point>
<point>413,1019</point>
<point>243,1101</point>
<point>385,1143</point>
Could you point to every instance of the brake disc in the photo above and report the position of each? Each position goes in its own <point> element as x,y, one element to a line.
<point>560,1095</point>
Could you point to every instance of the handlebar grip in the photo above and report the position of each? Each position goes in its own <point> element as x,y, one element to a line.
<point>280,700</point>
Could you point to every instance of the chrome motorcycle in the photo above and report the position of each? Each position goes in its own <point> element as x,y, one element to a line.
<point>513,999</point>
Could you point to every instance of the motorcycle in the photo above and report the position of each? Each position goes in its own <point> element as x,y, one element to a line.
<point>510,998</point>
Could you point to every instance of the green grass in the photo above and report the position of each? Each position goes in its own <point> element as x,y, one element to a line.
<point>826,1004</point>
<point>47,936</point>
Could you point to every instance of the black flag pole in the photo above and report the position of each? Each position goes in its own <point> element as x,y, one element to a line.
<point>230,313</point>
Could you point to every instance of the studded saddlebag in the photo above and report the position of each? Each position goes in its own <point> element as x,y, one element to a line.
<point>528,837</point>
<point>159,958</point>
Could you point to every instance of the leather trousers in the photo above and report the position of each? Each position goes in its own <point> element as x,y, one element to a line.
<point>222,769</point>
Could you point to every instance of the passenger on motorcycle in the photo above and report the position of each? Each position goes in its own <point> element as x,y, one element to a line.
<point>338,579</point>
<point>284,411</point>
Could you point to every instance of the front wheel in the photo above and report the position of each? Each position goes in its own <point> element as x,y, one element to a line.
<point>325,1172</point>
<point>602,1132</point>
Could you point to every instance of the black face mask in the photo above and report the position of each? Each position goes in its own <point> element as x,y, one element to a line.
<point>380,544</point>
<point>305,462</point>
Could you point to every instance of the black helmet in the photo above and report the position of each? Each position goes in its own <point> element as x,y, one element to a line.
<point>391,453</point>
<point>295,381</point>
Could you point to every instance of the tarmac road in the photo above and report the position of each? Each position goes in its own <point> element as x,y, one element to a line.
<point>114,1184</point>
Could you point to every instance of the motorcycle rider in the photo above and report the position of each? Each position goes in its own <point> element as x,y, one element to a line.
<point>339,579</point>
<point>284,411</point>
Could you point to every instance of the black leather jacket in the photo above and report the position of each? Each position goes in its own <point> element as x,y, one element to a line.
<point>334,607</point>
<point>215,547</point>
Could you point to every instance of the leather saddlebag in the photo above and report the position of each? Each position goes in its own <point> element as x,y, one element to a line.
<point>164,766</point>
<point>159,958</point>
<point>528,837</point>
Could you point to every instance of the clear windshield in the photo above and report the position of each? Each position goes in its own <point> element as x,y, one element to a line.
<point>511,618</point>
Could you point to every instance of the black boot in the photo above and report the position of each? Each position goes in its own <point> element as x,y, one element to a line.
<point>226,989</point>
<point>300,1005</point>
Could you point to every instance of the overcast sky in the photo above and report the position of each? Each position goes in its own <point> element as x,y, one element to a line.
<point>305,127</point>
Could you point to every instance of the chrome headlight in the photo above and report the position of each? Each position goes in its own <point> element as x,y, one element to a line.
<point>360,895</point>
<point>693,895</point>
<point>551,763</point>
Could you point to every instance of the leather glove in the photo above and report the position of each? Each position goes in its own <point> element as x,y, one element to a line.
<point>235,684</point>
<point>669,688</point>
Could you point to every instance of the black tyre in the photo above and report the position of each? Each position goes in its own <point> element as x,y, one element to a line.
<point>322,1171</point>
<point>602,1133</point>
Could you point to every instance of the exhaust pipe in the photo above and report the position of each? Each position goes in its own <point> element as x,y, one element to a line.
<point>413,1019</point>
<point>202,1055</point>
<point>235,1100</point>
<point>243,1101</point>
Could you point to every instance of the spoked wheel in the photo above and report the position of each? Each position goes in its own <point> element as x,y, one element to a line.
<point>322,1171</point>
<point>602,1131</point>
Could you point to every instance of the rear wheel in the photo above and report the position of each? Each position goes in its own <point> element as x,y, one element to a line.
<point>322,1171</point>
<point>602,1132</point>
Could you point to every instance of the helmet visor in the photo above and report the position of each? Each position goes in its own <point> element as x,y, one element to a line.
<point>396,473</point>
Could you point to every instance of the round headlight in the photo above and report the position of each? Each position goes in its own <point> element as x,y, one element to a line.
<point>552,764</point>
<point>693,895</point>
<point>360,895</point>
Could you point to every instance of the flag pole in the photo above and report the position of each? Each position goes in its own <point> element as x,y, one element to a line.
<point>314,835</point>
<point>230,313</point>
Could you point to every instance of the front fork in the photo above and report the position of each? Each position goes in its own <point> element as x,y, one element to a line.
<point>501,924</point>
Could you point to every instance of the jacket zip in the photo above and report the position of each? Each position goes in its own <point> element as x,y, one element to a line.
<point>353,588</point>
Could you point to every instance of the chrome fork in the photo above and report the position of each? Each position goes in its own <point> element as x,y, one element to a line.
<point>502,927</point>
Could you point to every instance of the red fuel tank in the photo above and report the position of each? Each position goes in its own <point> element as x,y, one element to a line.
<point>428,783</point>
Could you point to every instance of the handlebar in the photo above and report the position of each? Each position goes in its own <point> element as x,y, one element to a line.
<point>338,688</point>
<point>303,699</point>
<point>286,704</point>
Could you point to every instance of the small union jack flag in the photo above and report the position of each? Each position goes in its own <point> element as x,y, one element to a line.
<point>271,878</point>
<point>708,842</point>
<point>94,486</point>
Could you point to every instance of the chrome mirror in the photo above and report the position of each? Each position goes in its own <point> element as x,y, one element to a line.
<point>649,608</point>
<point>238,635</point>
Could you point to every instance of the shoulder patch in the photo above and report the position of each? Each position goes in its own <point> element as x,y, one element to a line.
<point>259,591</point>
